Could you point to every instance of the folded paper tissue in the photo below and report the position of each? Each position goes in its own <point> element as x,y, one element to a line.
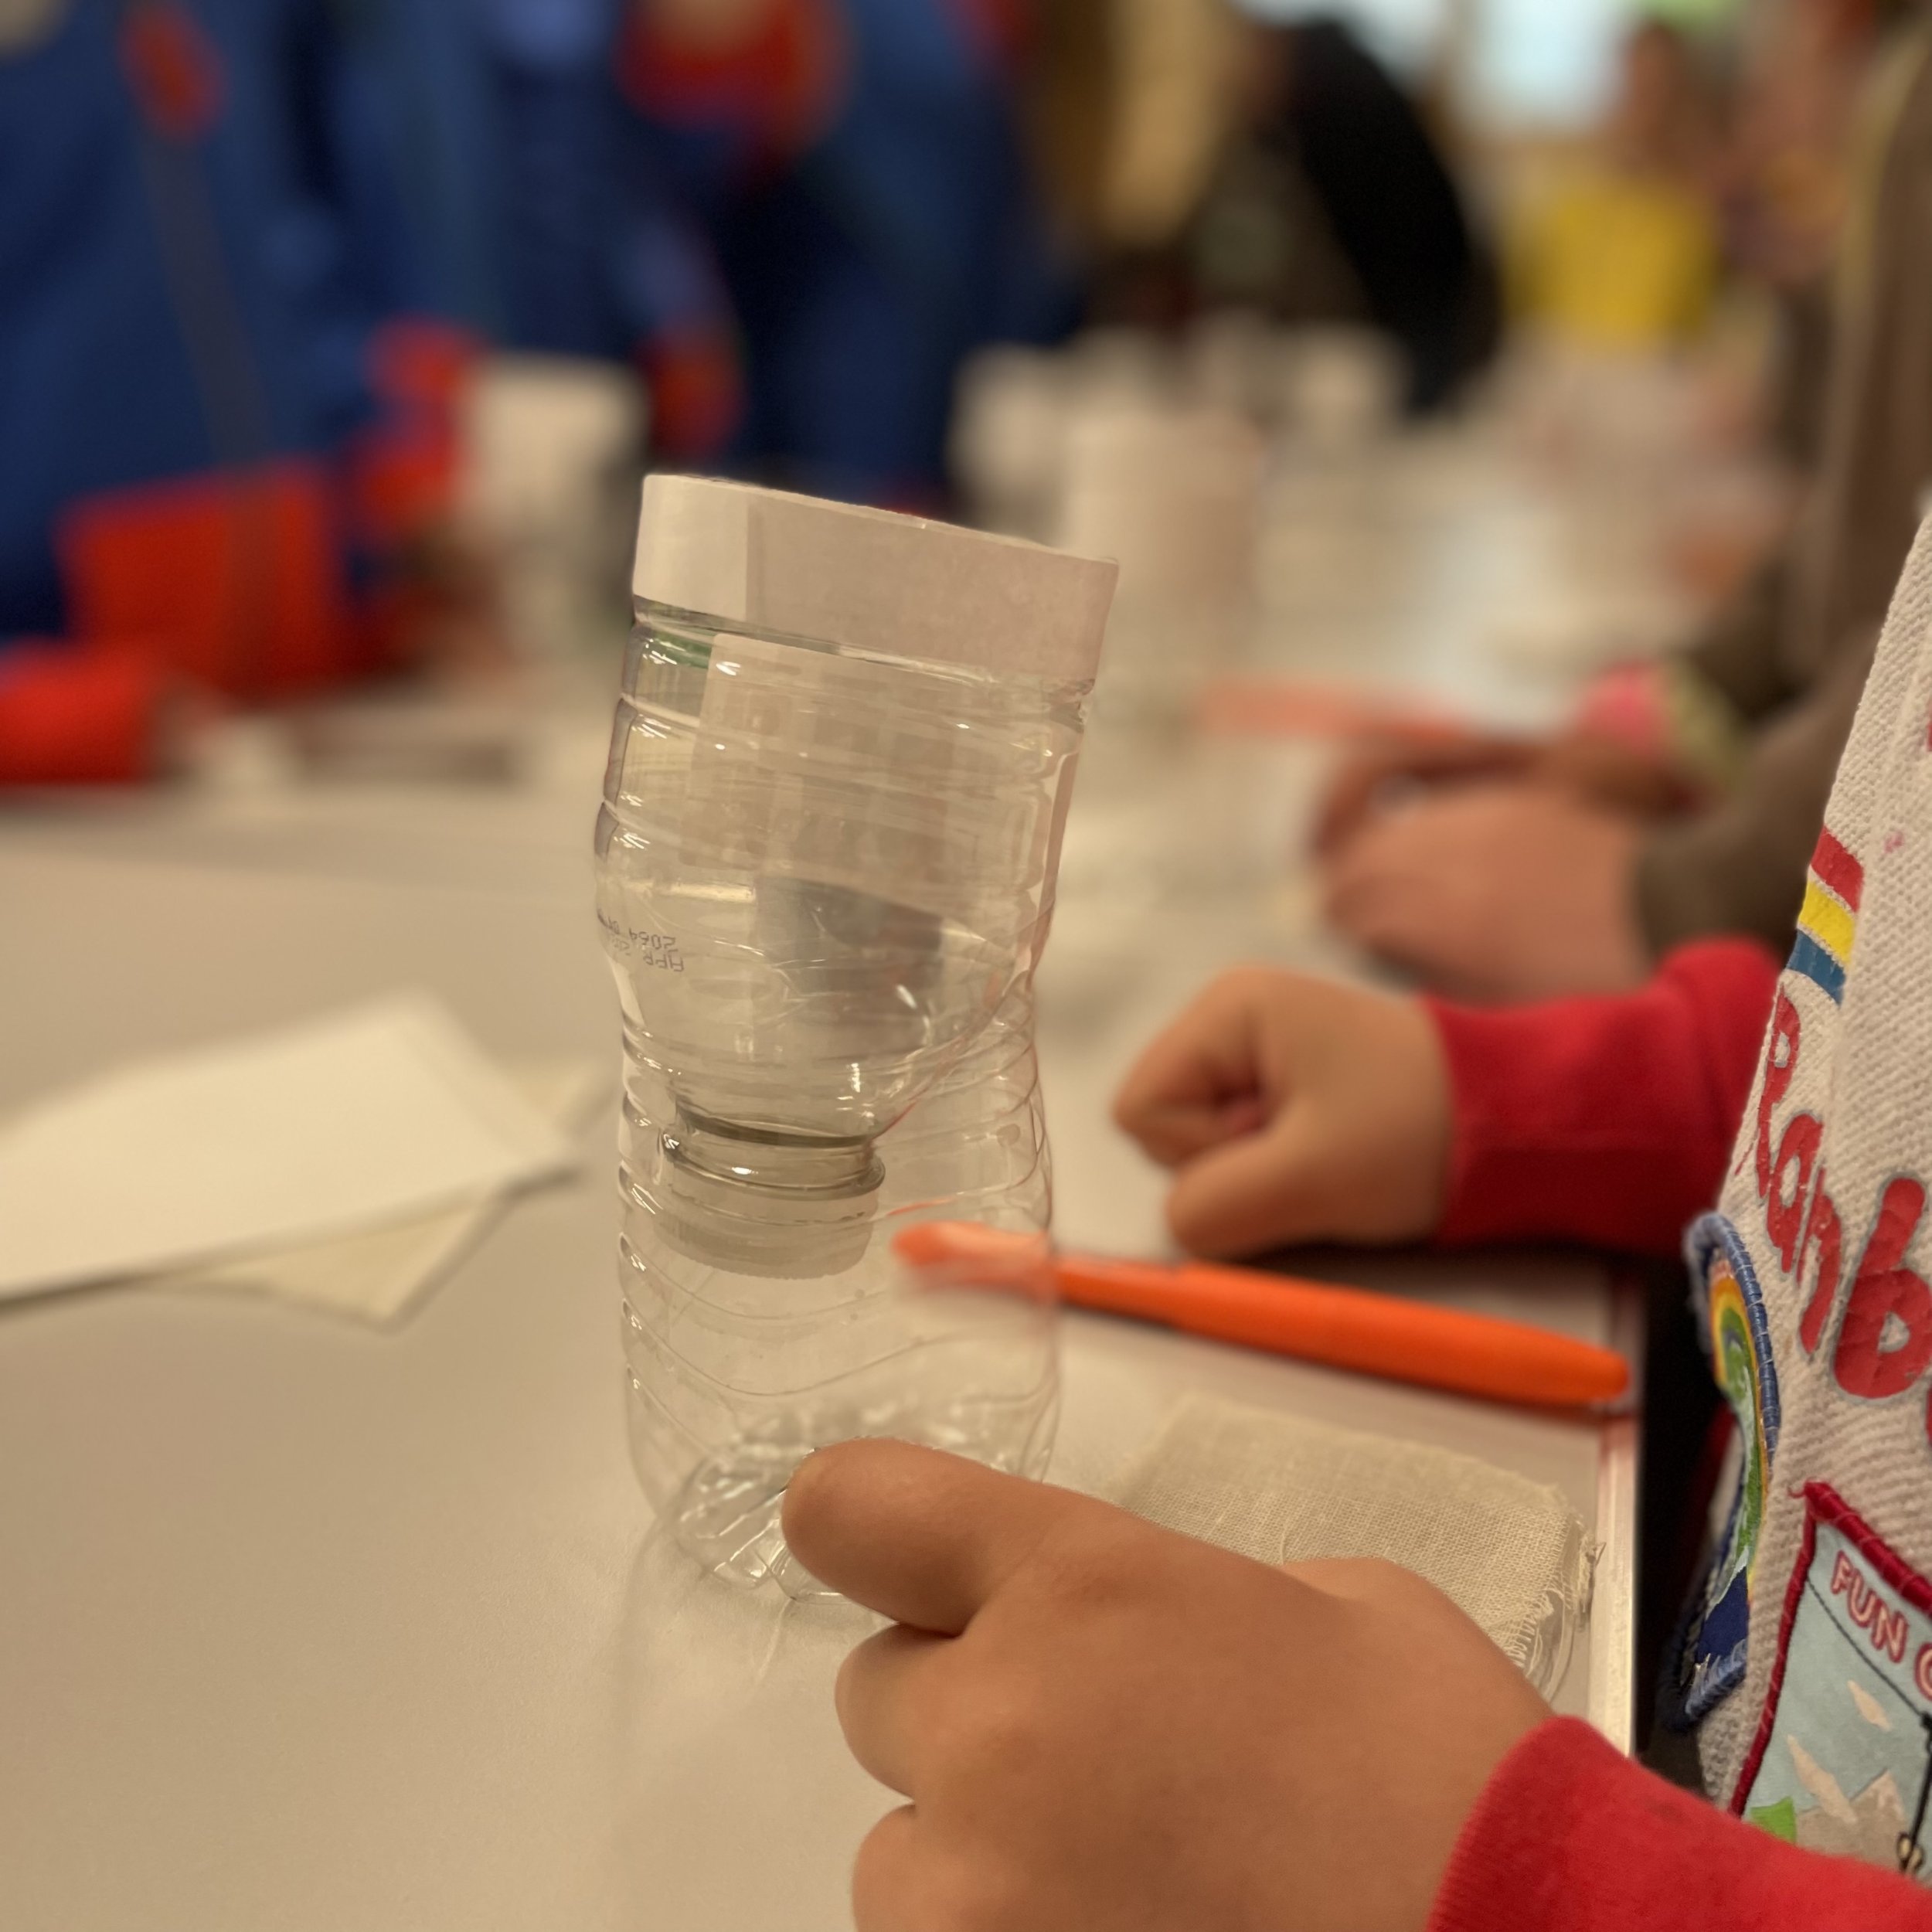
<point>343,1162</point>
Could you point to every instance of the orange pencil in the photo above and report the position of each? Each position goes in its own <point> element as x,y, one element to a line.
<point>1387,1335</point>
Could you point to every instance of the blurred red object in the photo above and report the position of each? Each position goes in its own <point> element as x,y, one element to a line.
<point>81,717</point>
<point>1003,29</point>
<point>235,581</point>
<point>404,471</point>
<point>173,68</point>
<point>418,365</point>
<point>696,385</point>
<point>776,70</point>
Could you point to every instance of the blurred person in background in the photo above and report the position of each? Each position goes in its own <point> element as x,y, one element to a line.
<point>229,453</point>
<point>514,194</point>
<point>858,171</point>
<point>1623,255</point>
<point>1330,197</point>
<point>1388,198</point>
<point>1787,183</point>
<point>1685,798</point>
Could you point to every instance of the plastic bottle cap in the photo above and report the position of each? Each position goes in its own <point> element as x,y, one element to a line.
<point>901,585</point>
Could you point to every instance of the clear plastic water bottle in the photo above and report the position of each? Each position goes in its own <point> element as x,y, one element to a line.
<point>841,763</point>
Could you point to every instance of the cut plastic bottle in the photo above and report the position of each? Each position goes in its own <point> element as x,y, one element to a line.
<point>841,763</point>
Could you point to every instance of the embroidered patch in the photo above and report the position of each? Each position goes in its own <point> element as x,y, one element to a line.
<point>1711,1650</point>
<point>1828,926</point>
<point>1842,1760</point>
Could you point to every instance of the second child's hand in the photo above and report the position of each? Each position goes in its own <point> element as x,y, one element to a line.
<point>1292,1109</point>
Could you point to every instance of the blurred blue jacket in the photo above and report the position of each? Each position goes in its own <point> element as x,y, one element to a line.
<point>512,192</point>
<point>179,288</point>
<point>900,231</point>
<point>215,213</point>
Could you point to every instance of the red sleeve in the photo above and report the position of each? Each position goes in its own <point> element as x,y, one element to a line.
<point>1609,1119</point>
<point>1569,1837</point>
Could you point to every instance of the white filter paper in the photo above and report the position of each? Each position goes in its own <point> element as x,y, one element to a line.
<point>381,1275</point>
<point>358,1120</point>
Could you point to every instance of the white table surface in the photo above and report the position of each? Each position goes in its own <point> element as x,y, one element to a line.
<point>309,1628</point>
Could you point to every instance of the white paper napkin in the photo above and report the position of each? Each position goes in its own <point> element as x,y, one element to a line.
<point>378,1276</point>
<point>355,1121</point>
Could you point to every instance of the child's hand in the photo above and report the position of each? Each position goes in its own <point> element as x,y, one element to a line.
<point>1374,773</point>
<point>1105,1725</point>
<point>1496,892</point>
<point>1294,1110</point>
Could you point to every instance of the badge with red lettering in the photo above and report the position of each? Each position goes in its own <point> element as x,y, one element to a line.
<point>1711,1650</point>
<point>1842,1760</point>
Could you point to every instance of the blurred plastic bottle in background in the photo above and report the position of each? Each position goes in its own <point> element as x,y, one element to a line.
<point>1176,494</point>
<point>1341,389</point>
<point>554,449</point>
<point>841,764</point>
<point>1008,436</point>
<point>1015,408</point>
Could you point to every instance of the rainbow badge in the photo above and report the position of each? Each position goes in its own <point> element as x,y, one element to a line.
<point>1829,922</point>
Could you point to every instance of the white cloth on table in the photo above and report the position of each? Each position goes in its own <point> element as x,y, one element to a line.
<point>1512,1553</point>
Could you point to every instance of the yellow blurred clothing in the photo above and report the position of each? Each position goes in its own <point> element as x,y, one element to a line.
<point>1617,261</point>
